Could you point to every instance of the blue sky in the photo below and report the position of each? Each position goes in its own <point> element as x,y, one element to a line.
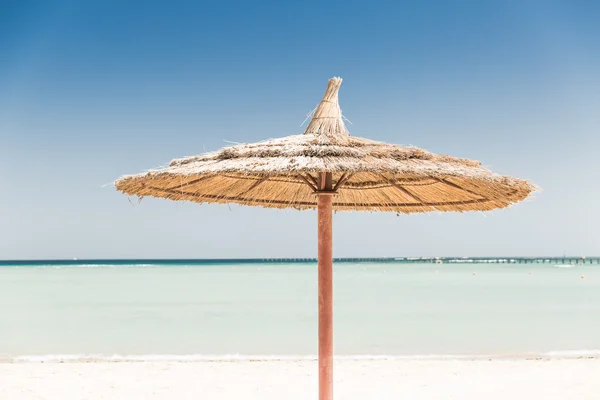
<point>93,90</point>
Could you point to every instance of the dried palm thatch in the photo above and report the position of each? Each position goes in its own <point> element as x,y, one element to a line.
<point>365,174</point>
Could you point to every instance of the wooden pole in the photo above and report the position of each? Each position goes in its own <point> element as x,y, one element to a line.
<point>325,201</point>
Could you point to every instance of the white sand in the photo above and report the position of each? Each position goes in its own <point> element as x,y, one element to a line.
<point>566,379</point>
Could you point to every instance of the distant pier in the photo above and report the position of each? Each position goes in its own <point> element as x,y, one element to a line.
<point>448,260</point>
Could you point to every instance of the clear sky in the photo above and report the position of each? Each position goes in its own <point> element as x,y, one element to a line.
<point>93,90</point>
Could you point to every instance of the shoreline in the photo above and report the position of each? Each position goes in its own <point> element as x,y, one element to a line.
<point>233,358</point>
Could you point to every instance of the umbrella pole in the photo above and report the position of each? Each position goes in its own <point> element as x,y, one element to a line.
<point>325,259</point>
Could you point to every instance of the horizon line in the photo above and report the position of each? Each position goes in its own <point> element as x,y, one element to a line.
<point>299,259</point>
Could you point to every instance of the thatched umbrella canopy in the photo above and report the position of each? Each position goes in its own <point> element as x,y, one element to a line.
<point>328,169</point>
<point>366,175</point>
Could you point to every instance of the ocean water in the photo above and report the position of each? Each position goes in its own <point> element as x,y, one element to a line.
<point>270,310</point>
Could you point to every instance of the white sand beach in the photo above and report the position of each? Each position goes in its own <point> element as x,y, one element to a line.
<point>548,379</point>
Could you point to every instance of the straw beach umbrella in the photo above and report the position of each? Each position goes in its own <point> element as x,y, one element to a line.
<point>327,169</point>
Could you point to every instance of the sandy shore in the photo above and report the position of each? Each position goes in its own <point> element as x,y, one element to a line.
<point>355,379</point>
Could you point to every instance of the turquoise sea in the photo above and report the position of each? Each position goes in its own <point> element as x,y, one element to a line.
<point>179,310</point>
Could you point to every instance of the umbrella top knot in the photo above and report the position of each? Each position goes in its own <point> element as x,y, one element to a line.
<point>326,122</point>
